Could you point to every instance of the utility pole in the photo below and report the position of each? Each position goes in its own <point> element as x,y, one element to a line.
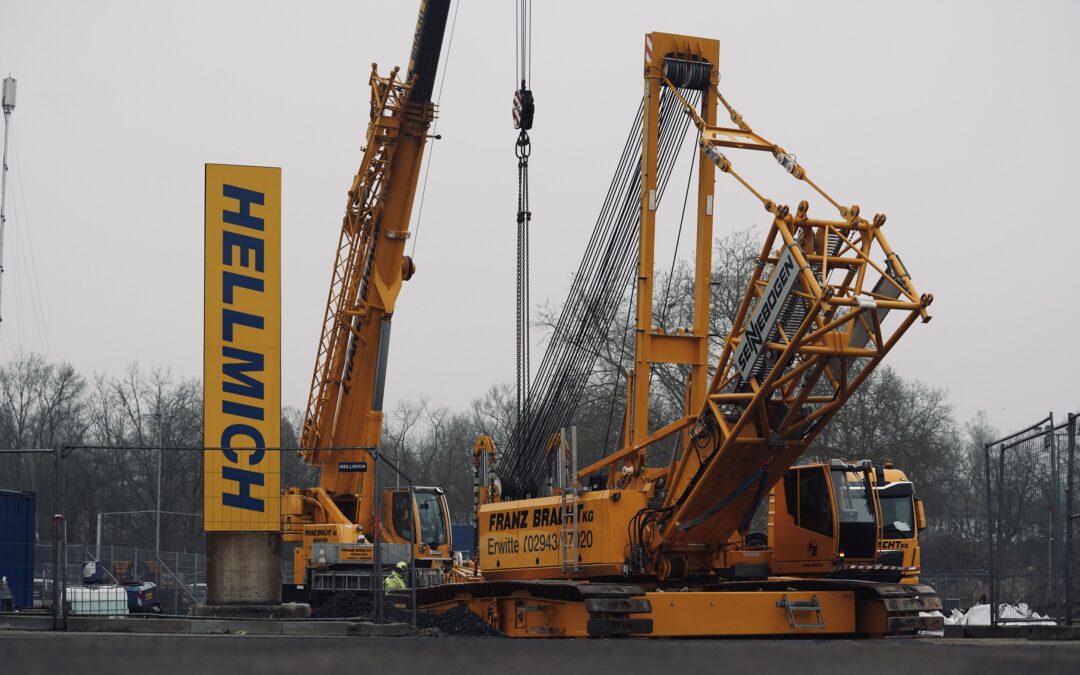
<point>9,105</point>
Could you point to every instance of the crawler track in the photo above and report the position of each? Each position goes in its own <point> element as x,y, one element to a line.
<point>617,609</point>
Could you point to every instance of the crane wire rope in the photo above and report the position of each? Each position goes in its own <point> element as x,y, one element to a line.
<point>24,251</point>
<point>678,238</point>
<point>434,133</point>
<point>594,299</point>
<point>619,372</point>
<point>596,302</point>
<point>663,314</point>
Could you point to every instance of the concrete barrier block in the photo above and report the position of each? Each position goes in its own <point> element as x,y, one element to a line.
<point>86,624</point>
<point>1006,632</point>
<point>315,628</point>
<point>1054,633</point>
<point>148,625</point>
<point>235,627</point>
<point>25,622</point>
<point>368,629</point>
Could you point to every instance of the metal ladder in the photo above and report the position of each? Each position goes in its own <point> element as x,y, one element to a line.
<point>811,605</point>
<point>566,459</point>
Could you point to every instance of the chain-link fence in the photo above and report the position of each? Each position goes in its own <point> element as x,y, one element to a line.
<point>179,578</point>
<point>112,530</point>
<point>1031,504</point>
<point>30,537</point>
<point>148,500</point>
<point>112,500</point>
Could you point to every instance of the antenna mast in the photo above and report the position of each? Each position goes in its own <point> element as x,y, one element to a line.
<point>9,105</point>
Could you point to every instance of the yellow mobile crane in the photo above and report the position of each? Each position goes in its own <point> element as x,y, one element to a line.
<point>330,527</point>
<point>630,546</point>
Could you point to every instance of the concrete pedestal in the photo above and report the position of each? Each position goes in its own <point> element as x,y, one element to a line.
<point>243,568</point>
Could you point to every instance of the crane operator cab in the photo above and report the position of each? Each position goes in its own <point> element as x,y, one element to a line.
<point>422,519</point>
<point>824,518</point>
<point>902,518</point>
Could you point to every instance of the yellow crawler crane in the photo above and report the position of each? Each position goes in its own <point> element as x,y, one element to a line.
<point>330,527</point>
<point>663,549</point>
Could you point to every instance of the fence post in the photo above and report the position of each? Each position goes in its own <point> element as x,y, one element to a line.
<point>377,561</point>
<point>58,518</point>
<point>1070,456</point>
<point>1055,529</point>
<point>990,538</point>
<point>412,551</point>
<point>176,589</point>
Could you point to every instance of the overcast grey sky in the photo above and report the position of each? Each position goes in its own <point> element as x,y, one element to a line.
<point>957,119</point>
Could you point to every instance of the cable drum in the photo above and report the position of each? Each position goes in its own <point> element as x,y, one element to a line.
<point>688,74</point>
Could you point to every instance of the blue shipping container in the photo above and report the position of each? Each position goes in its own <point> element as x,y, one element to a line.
<point>18,524</point>
<point>463,538</point>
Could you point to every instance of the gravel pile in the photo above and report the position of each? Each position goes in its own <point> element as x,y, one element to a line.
<point>346,606</point>
<point>458,622</point>
<point>455,622</point>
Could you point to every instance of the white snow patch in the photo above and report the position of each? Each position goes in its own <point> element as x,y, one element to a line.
<point>979,615</point>
<point>933,633</point>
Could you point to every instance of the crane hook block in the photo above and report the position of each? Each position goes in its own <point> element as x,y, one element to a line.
<point>524,109</point>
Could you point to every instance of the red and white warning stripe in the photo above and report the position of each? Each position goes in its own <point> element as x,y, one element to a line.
<point>648,48</point>
<point>879,567</point>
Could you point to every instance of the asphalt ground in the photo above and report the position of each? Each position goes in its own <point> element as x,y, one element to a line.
<point>45,652</point>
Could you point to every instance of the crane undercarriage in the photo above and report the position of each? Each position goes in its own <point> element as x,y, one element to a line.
<point>773,607</point>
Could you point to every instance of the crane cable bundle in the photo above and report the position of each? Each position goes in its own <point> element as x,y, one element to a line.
<point>598,288</point>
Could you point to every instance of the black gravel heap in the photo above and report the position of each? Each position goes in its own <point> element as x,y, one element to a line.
<point>346,606</point>
<point>456,621</point>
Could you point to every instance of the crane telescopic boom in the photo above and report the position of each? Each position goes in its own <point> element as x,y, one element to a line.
<point>345,404</point>
<point>342,423</point>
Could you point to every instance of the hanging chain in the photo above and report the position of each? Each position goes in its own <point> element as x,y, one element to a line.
<point>524,109</point>
<point>522,149</point>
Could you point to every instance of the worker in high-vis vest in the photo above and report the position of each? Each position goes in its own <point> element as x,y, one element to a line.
<point>395,581</point>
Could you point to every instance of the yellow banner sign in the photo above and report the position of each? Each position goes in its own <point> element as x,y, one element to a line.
<point>242,349</point>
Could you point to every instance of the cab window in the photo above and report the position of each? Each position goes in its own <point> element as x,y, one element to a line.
<point>432,520</point>
<point>815,512</point>
<point>402,515</point>
<point>897,517</point>
<point>852,490</point>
